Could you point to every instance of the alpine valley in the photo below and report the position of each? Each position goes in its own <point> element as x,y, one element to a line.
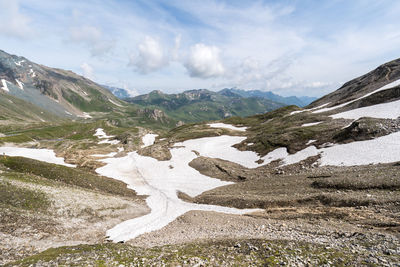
<point>198,178</point>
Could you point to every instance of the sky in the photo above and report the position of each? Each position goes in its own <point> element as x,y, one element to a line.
<point>289,47</point>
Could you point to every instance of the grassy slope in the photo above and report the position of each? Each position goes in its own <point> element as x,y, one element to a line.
<point>67,175</point>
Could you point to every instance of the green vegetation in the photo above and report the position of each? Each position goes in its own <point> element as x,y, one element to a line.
<point>280,129</point>
<point>23,198</point>
<point>67,175</point>
<point>232,252</point>
<point>203,105</point>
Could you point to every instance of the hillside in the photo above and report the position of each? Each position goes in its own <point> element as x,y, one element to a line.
<point>203,105</point>
<point>60,92</point>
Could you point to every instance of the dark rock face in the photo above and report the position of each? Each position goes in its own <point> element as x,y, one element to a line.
<point>366,129</point>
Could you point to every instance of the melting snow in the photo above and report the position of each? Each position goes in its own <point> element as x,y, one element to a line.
<point>310,109</point>
<point>221,147</point>
<point>227,126</point>
<point>276,154</point>
<point>310,142</point>
<point>5,87</point>
<point>115,103</point>
<point>85,115</point>
<point>19,63</point>
<point>102,135</point>
<point>20,84</point>
<point>109,155</point>
<point>161,180</point>
<point>69,113</point>
<point>300,155</point>
<point>389,110</point>
<point>148,139</point>
<point>383,149</point>
<point>311,124</point>
<point>45,155</point>
<point>32,73</point>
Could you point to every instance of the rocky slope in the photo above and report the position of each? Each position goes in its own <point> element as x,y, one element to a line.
<point>365,87</point>
<point>60,92</point>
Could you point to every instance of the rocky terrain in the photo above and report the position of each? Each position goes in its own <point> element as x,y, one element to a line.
<point>320,185</point>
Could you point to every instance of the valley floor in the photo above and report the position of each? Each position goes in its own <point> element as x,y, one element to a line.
<point>333,216</point>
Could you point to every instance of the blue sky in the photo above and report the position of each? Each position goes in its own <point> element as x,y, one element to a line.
<point>296,47</point>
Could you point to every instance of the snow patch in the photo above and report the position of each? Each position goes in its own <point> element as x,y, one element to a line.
<point>310,142</point>
<point>310,109</point>
<point>227,126</point>
<point>221,147</point>
<point>115,103</point>
<point>69,113</point>
<point>32,73</point>
<point>311,124</point>
<point>20,84</point>
<point>109,155</point>
<point>18,63</point>
<point>4,87</point>
<point>85,115</point>
<point>45,155</point>
<point>148,140</point>
<point>102,135</point>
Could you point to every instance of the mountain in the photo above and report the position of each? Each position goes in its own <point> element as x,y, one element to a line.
<point>381,85</point>
<point>60,92</point>
<point>202,105</point>
<point>290,100</point>
<point>365,108</point>
<point>118,92</point>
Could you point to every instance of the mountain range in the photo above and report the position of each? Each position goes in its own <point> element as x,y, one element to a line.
<point>202,105</point>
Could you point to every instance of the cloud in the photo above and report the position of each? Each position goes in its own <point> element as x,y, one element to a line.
<point>12,22</point>
<point>87,71</point>
<point>204,62</point>
<point>93,38</point>
<point>151,56</point>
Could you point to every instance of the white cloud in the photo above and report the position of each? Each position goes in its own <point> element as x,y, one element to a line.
<point>151,56</point>
<point>204,62</point>
<point>87,71</point>
<point>12,22</point>
<point>93,38</point>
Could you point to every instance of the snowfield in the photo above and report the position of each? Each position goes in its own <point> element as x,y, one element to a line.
<point>161,180</point>
<point>227,126</point>
<point>389,110</point>
<point>385,149</point>
<point>45,155</point>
